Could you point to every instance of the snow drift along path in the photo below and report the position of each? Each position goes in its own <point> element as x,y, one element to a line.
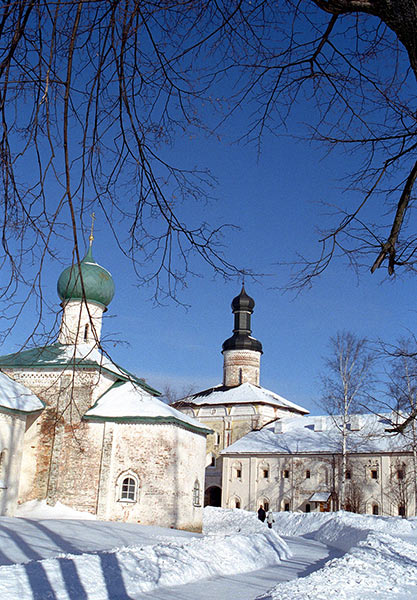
<point>125,572</point>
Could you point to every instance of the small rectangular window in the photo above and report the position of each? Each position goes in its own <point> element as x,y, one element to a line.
<point>287,507</point>
<point>265,473</point>
<point>347,475</point>
<point>400,474</point>
<point>374,474</point>
<point>285,474</point>
<point>239,473</point>
<point>308,474</point>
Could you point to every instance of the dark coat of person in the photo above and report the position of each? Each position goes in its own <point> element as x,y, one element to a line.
<point>261,514</point>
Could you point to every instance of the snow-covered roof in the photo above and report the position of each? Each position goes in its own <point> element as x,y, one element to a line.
<point>314,434</point>
<point>15,396</point>
<point>246,393</point>
<point>126,401</point>
<point>60,356</point>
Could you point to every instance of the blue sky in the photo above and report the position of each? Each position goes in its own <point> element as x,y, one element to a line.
<point>275,201</point>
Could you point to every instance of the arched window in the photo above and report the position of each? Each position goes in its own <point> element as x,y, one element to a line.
<point>265,503</point>
<point>375,509</point>
<point>128,487</point>
<point>196,493</point>
<point>235,502</point>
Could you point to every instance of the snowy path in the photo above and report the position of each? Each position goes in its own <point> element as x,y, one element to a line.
<point>308,556</point>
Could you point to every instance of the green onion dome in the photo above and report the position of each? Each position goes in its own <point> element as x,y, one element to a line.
<point>97,282</point>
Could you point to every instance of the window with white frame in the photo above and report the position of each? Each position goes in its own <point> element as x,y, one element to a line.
<point>128,485</point>
<point>196,493</point>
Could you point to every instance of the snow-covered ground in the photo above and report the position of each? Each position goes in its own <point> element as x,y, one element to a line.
<point>57,554</point>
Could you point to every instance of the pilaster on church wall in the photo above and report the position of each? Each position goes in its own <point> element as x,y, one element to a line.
<point>12,428</point>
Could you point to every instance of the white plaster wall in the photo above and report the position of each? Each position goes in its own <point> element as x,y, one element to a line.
<point>76,315</point>
<point>167,461</point>
<point>251,488</point>
<point>12,429</point>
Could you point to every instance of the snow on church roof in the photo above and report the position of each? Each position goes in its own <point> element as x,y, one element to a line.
<point>16,397</point>
<point>126,401</point>
<point>246,393</point>
<point>68,355</point>
<point>319,434</point>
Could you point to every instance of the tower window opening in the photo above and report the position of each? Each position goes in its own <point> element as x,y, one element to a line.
<point>86,333</point>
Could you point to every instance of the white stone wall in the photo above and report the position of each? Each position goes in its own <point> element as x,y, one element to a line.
<point>241,366</point>
<point>81,323</point>
<point>244,481</point>
<point>12,429</point>
<point>54,437</point>
<point>166,460</point>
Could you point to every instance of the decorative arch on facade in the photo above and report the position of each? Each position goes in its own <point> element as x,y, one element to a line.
<point>264,470</point>
<point>374,507</point>
<point>236,470</point>
<point>284,504</point>
<point>127,487</point>
<point>265,502</point>
<point>235,502</point>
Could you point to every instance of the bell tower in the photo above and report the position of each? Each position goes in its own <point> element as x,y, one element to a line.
<point>241,352</point>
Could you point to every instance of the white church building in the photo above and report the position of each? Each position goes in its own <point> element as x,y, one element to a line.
<point>266,450</point>
<point>79,429</point>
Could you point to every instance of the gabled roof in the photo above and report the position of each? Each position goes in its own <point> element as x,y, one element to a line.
<point>246,393</point>
<point>127,402</point>
<point>61,356</point>
<point>16,398</point>
<point>320,434</point>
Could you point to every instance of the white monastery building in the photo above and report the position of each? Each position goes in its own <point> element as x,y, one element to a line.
<point>79,429</point>
<point>265,450</point>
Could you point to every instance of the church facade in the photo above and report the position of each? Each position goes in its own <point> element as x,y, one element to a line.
<point>99,439</point>
<point>240,404</point>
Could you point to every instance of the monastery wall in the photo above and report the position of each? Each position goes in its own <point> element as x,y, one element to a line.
<point>380,482</point>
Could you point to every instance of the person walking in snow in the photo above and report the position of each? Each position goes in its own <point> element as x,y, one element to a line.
<point>261,513</point>
<point>270,519</point>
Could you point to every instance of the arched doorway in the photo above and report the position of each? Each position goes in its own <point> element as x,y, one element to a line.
<point>213,496</point>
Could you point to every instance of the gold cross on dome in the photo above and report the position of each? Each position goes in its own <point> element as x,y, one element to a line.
<point>93,218</point>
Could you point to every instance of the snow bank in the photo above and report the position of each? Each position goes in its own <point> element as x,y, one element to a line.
<point>39,509</point>
<point>377,563</point>
<point>379,567</point>
<point>105,575</point>
<point>231,520</point>
<point>346,530</point>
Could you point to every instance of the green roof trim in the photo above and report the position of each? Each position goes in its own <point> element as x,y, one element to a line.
<point>151,421</point>
<point>54,356</point>
<point>16,411</point>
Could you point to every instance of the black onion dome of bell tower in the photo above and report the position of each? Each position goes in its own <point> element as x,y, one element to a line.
<point>242,307</point>
<point>243,302</point>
